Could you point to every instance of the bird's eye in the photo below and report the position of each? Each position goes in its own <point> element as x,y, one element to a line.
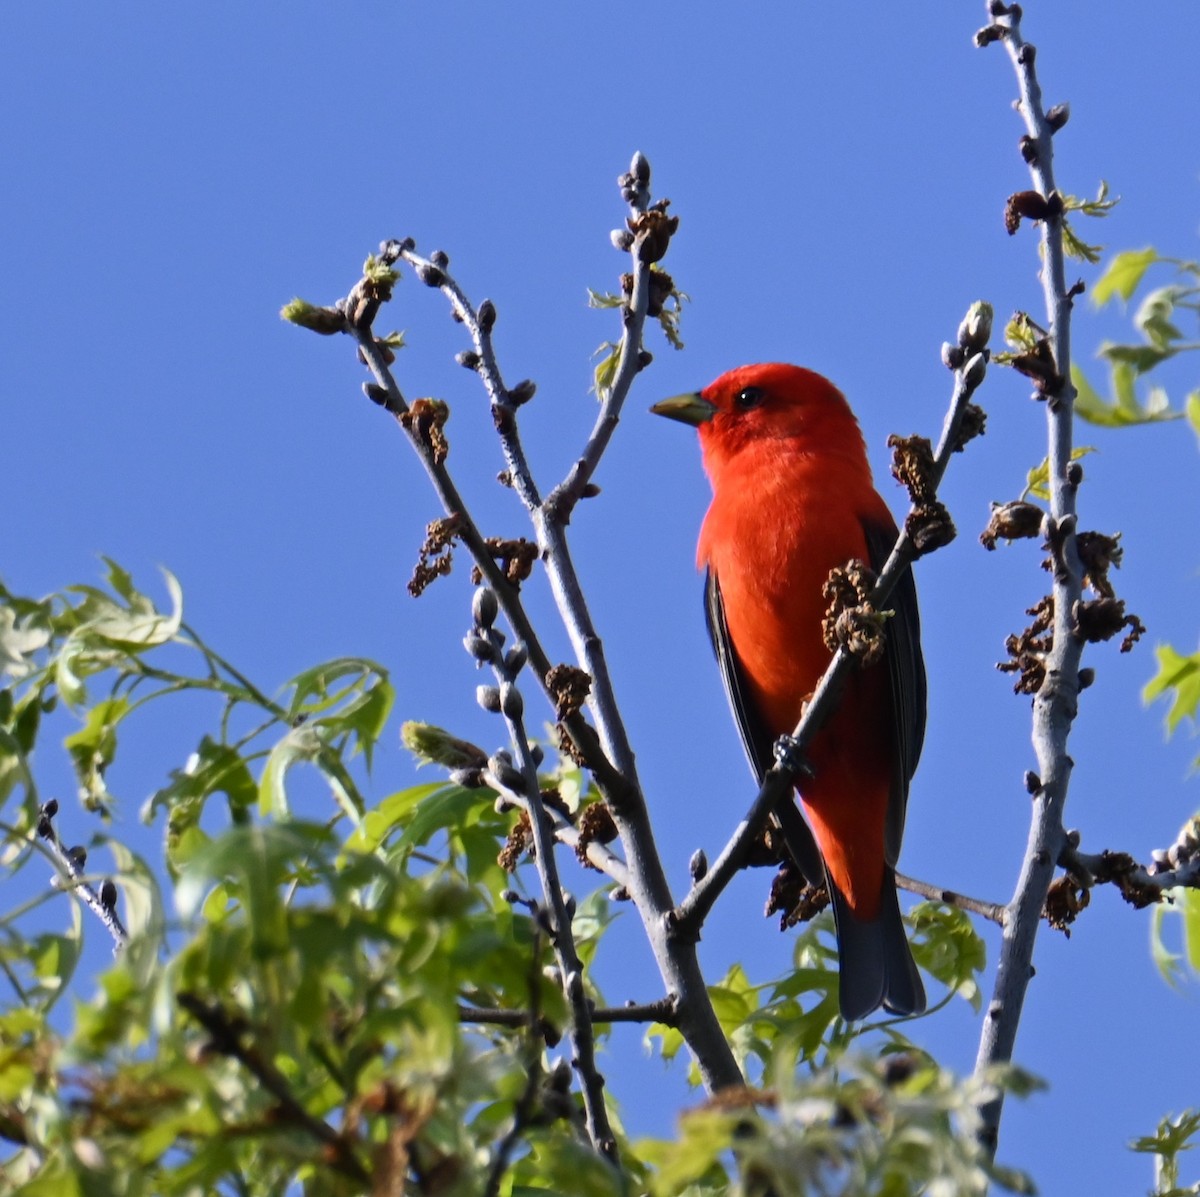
<point>748,398</point>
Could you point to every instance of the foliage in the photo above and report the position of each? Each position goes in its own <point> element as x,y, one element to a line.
<point>297,1008</point>
<point>1172,1136</point>
<point>1177,679</point>
<point>1161,340</point>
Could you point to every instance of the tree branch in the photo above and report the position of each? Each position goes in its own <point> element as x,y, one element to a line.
<point>611,760</point>
<point>70,862</point>
<point>523,781</point>
<point>1056,702</point>
<point>631,357</point>
<point>969,361</point>
<point>662,1011</point>
<point>995,912</point>
<point>1176,867</point>
<point>227,1037</point>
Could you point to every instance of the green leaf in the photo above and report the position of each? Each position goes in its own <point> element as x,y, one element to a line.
<point>214,768</point>
<point>605,372</point>
<point>94,745</point>
<point>947,946</point>
<point>1125,410</point>
<point>1154,316</point>
<point>1022,333</point>
<point>1173,1136</point>
<point>315,691</point>
<point>393,812</point>
<point>300,744</point>
<point>1178,678</point>
<point>140,625</point>
<point>1037,481</point>
<point>1142,358</point>
<point>14,772</point>
<point>19,640</point>
<point>1100,206</point>
<point>1073,244</point>
<point>1076,247</point>
<point>1191,408</point>
<point>1189,904</point>
<point>1123,274</point>
<point>604,299</point>
<point>1168,962</point>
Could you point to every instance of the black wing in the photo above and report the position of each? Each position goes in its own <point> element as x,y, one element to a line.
<point>906,672</point>
<point>756,739</point>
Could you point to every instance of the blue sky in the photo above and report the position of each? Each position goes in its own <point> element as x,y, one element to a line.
<point>175,173</point>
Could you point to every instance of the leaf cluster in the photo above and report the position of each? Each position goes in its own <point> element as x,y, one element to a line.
<point>360,997</point>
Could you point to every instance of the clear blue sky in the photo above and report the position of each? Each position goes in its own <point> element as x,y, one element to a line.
<point>174,173</point>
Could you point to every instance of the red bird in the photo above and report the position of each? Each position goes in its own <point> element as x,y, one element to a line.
<point>792,500</point>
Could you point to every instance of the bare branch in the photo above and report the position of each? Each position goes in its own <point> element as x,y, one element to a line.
<point>995,912</point>
<point>70,862</point>
<point>663,1011</point>
<point>605,751</point>
<point>631,357</point>
<point>1056,701</point>
<point>522,781</point>
<point>1176,867</point>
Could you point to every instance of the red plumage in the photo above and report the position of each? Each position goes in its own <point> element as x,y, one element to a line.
<point>793,499</point>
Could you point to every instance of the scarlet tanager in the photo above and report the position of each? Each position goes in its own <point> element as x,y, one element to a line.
<point>792,500</point>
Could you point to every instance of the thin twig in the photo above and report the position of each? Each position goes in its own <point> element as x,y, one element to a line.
<point>1056,702</point>
<point>70,862</point>
<point>1176,867</point>
<point>607,861</point>
<point>995,912</point>
<point>611,784</point>
<point>562,937</point>
<point>606,749</point>
<point>663,1011</point>
<point>631,357</point>
<point>777,783</point>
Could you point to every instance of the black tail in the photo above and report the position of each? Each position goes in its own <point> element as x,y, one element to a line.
<point>874,960</point>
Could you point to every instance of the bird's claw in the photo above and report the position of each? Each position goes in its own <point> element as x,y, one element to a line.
<point>789,756</point>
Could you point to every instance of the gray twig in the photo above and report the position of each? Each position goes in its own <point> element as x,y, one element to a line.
<point>1056,702</point>
<point>70,862</point>
<point>663,1011</point>
<point>995,912</point>
<point>606,749</point>
<point>523,783</point>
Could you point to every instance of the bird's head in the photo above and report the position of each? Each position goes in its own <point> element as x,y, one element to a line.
<point>771,410</point>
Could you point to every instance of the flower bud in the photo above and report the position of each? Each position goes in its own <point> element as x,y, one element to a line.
<point>511,702</point>
<point>488,697</point>
<point>522,392</point>
<point>976,328</point>
<point>485,607</point>
<point>479,646</point>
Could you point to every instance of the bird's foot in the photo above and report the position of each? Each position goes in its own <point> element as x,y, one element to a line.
<point>790,756</point>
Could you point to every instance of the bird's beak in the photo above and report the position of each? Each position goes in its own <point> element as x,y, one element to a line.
<point>691,409</point>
